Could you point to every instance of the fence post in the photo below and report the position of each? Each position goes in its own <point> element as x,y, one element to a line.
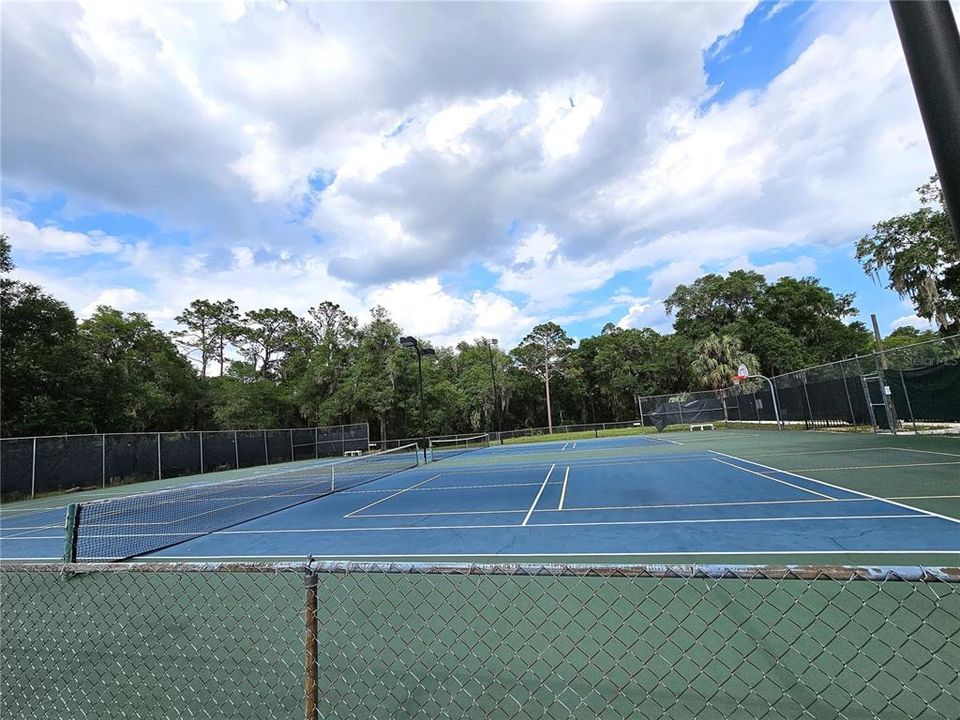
<point>806,395</point>
<point>853,417</point>
<point>236,449</point>
<point>33,470</point>
<point>906,395</point>
<point>201,451</point>
<point>266,452</point>
<point>291,445</point>
<point>103,459</point>
<point>159,466</point>
<point>310,676</point>
<point>316,438</point>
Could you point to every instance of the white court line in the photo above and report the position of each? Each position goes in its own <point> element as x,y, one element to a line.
<point>735,503</point>
<point>407,528</point>
<point>417,528</point>
<point>837,487</point>
<point>431,513</point>
<point>928,452</point>
<point>565,446</point>
<point>574,447</point>
<point>537,498</point>
<point>880,467</point>
<point>782,482</point>
<point>398,492</point>
<point>563,492</point>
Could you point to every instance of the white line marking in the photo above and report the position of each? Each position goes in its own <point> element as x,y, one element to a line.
<point>406,528</point>
<point>399,492</point>
<point>928,452</point>
<point>838,487</point>
<point>537,498</point>
<point>431,513</point>
<point>698,521</point>
<point>563,492</point>
<point>880,467</point>
<point>732,503</point>
<point>565,446</point>
<point>782,482</point>
<point>574,447</point>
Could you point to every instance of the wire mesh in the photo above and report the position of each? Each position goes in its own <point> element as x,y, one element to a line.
<point>384,641</point>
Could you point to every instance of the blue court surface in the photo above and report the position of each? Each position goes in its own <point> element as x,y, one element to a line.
<point>686,496</point>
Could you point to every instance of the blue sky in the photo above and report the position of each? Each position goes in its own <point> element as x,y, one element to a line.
<point>475,169</point>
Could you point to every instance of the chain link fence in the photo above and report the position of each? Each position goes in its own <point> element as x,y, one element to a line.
<point>915,387</point>
<point>36,465</point>
<point>340,640</point>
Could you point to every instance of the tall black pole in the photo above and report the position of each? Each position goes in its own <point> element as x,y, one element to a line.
<point>931,45</point>
<point>423,414</point>
<point>496,393</point>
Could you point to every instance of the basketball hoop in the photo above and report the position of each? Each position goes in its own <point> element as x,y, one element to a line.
<point>737,379</point>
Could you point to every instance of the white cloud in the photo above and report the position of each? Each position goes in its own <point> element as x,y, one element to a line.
<point>438,132</point>
<point>424,308</point>
<point>39,240</point>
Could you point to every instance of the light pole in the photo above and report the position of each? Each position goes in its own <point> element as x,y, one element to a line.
<point>496,393</point>
<point>410,341</point>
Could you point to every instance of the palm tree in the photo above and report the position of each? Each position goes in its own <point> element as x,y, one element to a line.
<point>716,359</point>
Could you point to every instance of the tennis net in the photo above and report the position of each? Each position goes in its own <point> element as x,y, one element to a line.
<point>451,447</point>
<point>124,528</point>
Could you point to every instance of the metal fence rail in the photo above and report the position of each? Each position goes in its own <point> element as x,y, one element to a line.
<point>345,640</point>
<point>33,465</point>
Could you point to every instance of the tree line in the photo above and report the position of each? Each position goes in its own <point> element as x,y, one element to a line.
<point>269,367</point>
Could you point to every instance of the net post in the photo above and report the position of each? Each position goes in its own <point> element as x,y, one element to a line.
<point>70,533</point>
<point>310,662</point>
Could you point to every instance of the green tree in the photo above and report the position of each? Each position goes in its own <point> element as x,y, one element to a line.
<point>142,382</point>
<point>544,349</point>
<point>226,322</point>
<point>374,375</point>
<point>266,336</point>
<point>712,302</point>
<point>717,358</point>
<point>332,341</point>
<point>47,375</point>
<point>921,258</point>
<point>198,339</point>
<point>907,335</point>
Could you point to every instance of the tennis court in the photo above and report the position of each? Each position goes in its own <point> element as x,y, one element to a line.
<point>731,496</point>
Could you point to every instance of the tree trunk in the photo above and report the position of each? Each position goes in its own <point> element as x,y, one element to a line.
<point>383,431</point>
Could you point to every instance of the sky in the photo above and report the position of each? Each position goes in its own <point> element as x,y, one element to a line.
<point>476,169</point>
